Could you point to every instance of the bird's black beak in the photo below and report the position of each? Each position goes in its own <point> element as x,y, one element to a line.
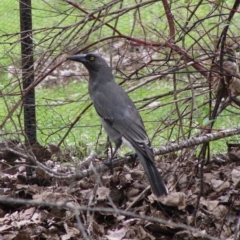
<point>78,58</point>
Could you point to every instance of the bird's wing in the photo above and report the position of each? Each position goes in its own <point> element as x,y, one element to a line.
<point>134,132</point>
<point>120,113</point>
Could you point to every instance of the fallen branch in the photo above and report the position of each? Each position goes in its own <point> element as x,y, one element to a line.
<point>208,137</point>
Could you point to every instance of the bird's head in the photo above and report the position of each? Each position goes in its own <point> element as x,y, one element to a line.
<point>92,61</point>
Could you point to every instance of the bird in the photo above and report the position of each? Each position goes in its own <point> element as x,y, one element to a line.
<point>119,116</point>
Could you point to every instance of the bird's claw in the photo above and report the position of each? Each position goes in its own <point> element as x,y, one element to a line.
<point>133,157</point>
<point>108,163</point>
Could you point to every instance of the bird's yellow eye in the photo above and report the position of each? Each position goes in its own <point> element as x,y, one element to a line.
<point>91,58</point>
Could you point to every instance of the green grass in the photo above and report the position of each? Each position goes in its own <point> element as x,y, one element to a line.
<point>58,107</point>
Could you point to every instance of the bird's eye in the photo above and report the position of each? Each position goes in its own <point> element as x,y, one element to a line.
<point>91,58</point>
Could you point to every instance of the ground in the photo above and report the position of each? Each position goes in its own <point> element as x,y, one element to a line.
<point>118,206</point>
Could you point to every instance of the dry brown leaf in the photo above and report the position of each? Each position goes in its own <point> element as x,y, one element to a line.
<point>85,183</point>
<point>41,174</point>
<point>208,177</point>
<point>183,182</point>
<point>231,238</point>
<point>128,177</point>
<point>117,234</point>
<point>102,193</point>
<point>220,212</point>
<point>26,214</point>
<point>210,205</point>
<point>199,234</point>
<point>132,193</point>
<point>235,174</point>
<point>22,235</point>
<point>127,185</point>
<point>71,232</point>
<point>219,185</point>
<point>175,199</point>
<point>156,227</point>
<point>143,234</point>
<point>86,194</point>
<point>51,197</point>
<point>5,227</point>
<point>136,174</point>
<point>97,228</point>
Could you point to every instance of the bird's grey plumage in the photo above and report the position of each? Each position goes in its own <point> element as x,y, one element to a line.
<point>119,115</point>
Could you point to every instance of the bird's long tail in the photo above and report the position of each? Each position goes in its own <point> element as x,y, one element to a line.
<point>154,177</point>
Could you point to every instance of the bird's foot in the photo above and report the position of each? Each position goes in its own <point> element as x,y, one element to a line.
<point>108,163</point>
<point>133,157</point>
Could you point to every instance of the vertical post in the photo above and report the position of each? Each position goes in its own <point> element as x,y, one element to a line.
<point>28,71</point>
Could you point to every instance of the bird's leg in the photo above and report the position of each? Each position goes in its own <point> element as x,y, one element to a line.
<point>133,157</point>
<point>107,146</point>
<point>108,162</point>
